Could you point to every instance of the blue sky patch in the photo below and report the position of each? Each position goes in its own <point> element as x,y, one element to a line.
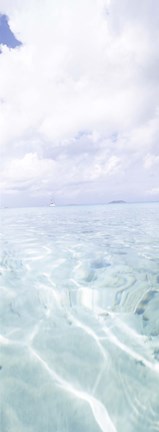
<point>6,36</point>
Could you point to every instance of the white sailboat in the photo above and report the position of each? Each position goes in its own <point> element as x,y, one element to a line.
<point>52,203</point>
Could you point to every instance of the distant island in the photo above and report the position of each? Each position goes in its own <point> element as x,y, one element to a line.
<point>117,202</point>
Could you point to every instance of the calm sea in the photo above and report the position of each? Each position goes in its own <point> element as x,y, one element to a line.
<point>80,319</point>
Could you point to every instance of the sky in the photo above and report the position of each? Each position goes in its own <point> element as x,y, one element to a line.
<point>79,101</point>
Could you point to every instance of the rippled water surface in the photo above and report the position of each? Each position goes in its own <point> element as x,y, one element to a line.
<point>79,302</point>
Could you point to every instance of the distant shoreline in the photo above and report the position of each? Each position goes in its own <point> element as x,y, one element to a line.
<point>117,202</point>
<point>44,206</point>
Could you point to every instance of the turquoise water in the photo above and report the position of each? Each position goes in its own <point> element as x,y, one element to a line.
<point>80,319</point>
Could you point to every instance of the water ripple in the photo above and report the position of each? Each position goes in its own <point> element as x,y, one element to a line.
<point>79,343</point>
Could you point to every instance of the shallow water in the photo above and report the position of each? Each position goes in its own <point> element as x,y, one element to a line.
<point>80,319</point>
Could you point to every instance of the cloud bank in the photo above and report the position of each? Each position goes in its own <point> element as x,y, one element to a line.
<point>79,110</point>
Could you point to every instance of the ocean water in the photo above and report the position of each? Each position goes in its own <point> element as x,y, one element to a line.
<point>79,324</point>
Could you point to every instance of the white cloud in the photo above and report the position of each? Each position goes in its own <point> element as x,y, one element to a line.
<point>26,172</point>
<point>89,68</point>
<point>154,191</point>
<point>151,161</point>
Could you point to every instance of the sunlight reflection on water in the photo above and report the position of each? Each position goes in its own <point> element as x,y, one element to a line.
<point>79,319</point>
